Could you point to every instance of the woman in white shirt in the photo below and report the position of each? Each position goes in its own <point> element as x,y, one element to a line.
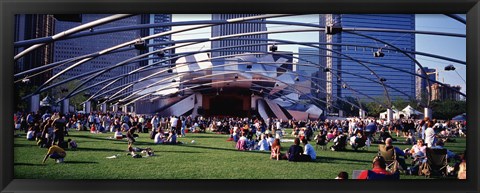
<point>418,149</point>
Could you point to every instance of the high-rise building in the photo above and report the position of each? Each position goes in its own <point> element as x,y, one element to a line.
<point>340,63</point>
<point>153,19</point>
<point>70,48</point>
<point>238,28</point>
<point>311,62</point>
<point>440,92</point>
<point>31,26</point>
<point>158,43</point>
<point>421,83</point>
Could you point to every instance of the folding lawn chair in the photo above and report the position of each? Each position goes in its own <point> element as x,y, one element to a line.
<point>390,157</point>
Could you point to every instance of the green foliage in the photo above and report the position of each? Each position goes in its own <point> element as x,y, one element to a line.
<point>348,109</point>
<point>75,100</point>
<point>400,103</point>
<point>374,109</point>
<point>448,109</point>
<point>210,157</point>
<point>20,91</point>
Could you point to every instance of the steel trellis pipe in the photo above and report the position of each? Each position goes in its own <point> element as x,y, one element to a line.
<point>23,43</point>
<point>74,30</point>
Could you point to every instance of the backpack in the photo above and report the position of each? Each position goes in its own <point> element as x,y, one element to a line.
<point>424,169</point>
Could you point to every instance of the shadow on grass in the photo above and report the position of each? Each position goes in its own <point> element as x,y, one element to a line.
<point>224,149</point>
<point>325,159</point>
<point>27,164</point>
<point>206,136</point>
<point>25,145</point>
<point>137,143</point>
<point>103,137</point>
<point>178,151</point>
<point>98,149</point>
<point>79,162</point>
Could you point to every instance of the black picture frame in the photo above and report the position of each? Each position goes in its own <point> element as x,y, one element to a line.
<point>9,8</point>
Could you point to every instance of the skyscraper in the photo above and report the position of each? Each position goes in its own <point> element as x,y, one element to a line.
<point>441,92</point>
<point>153,19</point>
<point>31,26</point>
<point>85,45</point>
<point>237,28</point>
<point>340,63</point>
<point>309,62</point>
<point>158,43</point>
<point>421,83</point>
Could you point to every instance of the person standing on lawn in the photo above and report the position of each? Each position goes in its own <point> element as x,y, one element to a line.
<point>130,136</point>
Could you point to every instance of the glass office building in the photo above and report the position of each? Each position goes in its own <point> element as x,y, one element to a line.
<point>359,77</point>
<point>238,28</point>
<point>85,45</point>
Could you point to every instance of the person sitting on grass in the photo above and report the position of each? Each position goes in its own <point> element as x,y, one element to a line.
<point>418,153</point>
<point>384,135</point>
<point>31,134</point>
<point>241,143</point>
<point>72,144</point>
<point>172,138</point>
<point>56,153</point>
<point>270,140</point>
<point>263,144</point>
<point>309,153</point>
<point>93,129</point>
<point>450,155</point>
<point>118,134</point>
<point>398,152</point>
<point>295,151</point>
<point>378,171</point>
<point>159,138</point>
<point>275,152</point>
<point>410,140</point>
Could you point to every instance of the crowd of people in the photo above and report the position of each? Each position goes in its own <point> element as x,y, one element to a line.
<point>49,131</point>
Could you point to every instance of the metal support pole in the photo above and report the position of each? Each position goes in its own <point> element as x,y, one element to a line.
<point>65,107</point>
<point>87,107</point>
<point>389,115</point>
<point>428,113</point>
<point>34,103</point>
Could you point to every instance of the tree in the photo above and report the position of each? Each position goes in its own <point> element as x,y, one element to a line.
<point>348,109</point>
<point>62,91</point>
<point>373,108</point>
<point>21,90</point>
<point>447,109</point>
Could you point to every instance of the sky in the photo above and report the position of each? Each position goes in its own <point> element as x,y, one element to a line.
<point>452,47</point>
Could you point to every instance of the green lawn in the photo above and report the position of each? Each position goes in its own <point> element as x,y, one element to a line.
<point>210,157</point>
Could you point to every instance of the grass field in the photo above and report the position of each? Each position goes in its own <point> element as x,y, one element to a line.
<point>210,157</point>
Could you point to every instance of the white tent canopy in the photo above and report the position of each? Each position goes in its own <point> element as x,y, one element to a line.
<point>395,114</point>
<point>406,112</point>
<point>409,111</point>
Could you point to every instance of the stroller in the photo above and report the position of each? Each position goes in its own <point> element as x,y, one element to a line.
<point>339,143</point>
